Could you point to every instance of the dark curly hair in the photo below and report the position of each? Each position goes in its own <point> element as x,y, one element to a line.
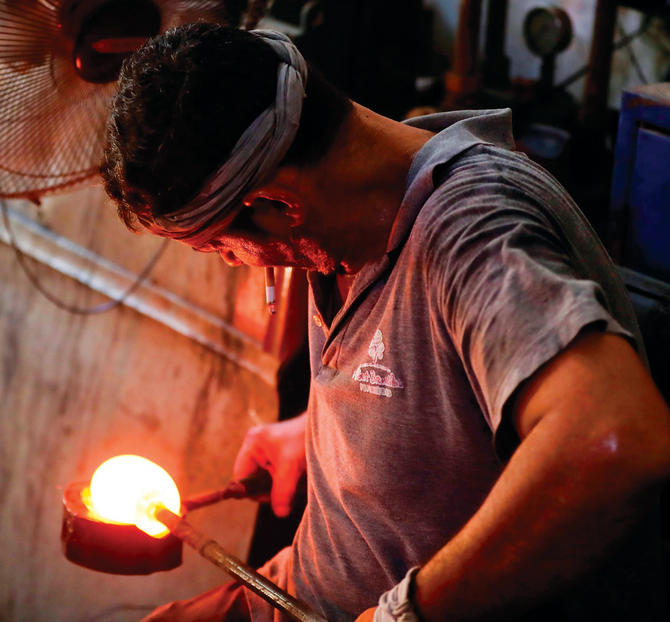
<point>183,101</point>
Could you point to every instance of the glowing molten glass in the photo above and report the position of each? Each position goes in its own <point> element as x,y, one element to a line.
<point>125,488</point>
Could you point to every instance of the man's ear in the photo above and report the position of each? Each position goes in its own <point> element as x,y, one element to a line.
<point>294,206</point>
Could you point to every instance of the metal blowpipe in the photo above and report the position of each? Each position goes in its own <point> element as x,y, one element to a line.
<point>212,551</point>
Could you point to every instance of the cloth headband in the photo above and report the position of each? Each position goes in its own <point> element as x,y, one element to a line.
<point>254,157</point>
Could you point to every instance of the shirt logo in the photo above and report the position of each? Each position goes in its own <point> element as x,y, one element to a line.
<point>373,377</point>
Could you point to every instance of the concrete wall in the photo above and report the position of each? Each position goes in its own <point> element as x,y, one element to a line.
<point>177,376</point>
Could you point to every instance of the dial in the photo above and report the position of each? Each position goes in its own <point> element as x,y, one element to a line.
<point>547,31</point>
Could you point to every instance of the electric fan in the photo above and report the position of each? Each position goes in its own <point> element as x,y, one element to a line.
<point>59,61</point>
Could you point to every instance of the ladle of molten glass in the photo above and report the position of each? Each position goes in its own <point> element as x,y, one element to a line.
<point>130,490</point>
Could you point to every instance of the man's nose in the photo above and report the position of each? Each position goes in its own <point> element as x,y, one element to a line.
<point>230,258</point>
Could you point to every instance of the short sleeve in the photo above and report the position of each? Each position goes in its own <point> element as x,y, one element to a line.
<point>506,281</point>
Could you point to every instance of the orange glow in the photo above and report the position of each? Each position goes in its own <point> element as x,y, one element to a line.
<point>125,489</point>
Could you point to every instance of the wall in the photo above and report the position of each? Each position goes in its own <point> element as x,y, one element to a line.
<point>177,376</point>
<point>652,49</point>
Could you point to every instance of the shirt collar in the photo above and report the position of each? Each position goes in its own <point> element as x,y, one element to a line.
<point>455,133</point>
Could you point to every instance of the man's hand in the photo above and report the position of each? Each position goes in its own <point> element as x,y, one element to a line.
<point>280,449</point>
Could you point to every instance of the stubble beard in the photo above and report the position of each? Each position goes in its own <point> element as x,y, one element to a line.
<point>316,258</point>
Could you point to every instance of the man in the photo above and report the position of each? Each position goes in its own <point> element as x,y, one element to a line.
<point>482,441</point>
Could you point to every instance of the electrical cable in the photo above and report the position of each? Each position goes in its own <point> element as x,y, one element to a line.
<point>633,58</point>
<point>101,308</point>
<point>622,43</point>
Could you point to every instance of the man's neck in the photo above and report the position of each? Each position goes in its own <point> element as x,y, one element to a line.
<point>360,184</point>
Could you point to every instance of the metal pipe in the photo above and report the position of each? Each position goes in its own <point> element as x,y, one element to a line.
<point>594,107</point>
<point>212,551</point>
<point>495,65</point>
<point>462,82</point>
<point>255,485</point>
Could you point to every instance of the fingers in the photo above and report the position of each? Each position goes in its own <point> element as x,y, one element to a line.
<point>285,482</point>
<point>280,449</point>
<point>252,454</point>
<point>252,457</point>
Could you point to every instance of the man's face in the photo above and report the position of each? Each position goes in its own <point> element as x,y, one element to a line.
<point>259,237</point>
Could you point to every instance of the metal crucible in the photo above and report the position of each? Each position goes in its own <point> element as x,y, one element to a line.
<point>121,548</point>
<point>112,547</point>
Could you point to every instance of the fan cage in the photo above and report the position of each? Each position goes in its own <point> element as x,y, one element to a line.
<point>52,120</point>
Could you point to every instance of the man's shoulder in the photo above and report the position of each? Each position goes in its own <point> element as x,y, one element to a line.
<point>484,163</point>
<point>498,181</point>
<point>486,126</point>
<point>480,198</point>
<point>456,133</point>
<point>493,180</point>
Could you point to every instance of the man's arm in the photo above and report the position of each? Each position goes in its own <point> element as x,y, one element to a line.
<point>280,449</point>
<point>594,455</point>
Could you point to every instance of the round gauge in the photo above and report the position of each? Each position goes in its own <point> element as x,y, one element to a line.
<point>547,31</point>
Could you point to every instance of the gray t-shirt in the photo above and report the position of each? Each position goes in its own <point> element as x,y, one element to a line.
<point>490,271</point>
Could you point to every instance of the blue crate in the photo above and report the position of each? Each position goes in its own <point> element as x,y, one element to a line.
<point>639,222</point>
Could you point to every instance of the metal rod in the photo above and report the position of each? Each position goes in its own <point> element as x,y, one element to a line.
<point>255,485</point>
<point>212,551</point>
<point>594,106</point>
<point>462,81</point>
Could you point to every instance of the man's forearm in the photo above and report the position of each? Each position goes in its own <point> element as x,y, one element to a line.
<point>572,488</point>
<point>526,542</point>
